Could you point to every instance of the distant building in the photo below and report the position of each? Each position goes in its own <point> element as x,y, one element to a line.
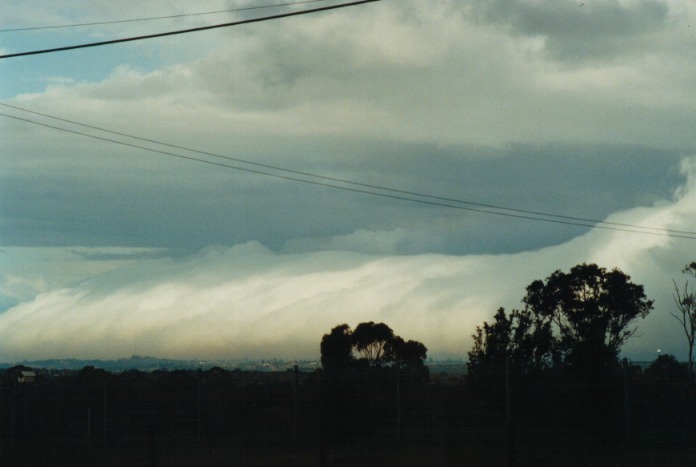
<point>26,376</point>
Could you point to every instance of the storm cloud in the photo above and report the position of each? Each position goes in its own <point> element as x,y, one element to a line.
<point>247,300</point>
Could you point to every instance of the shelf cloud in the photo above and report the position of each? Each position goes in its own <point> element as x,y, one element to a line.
<point>247,300</point>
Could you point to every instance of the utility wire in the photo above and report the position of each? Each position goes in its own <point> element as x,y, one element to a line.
<point>154,18</point>
<point>186,31</point>
<point>663,233</point>
<point>585,221</point>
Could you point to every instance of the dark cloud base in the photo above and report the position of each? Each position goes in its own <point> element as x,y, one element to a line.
<point>187,207</point>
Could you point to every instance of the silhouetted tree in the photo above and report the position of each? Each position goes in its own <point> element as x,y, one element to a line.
<point>685,300</point>
<point>521,337</point>
<point>337,348</point>
<point>666,367</point>
<point>375,342</point>
<point>591,308</point>
<point>410,354</point>
<point>371,341</point>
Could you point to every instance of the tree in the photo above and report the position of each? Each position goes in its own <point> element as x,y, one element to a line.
<point>522,339</point>
<point>375,342</point>
<point>337,348</point>
<point>410,354</point>
<point>371,341</point>
<point>532,341</point>
<point>592,309</point>
<point>685,299</point>
<point>666,367</point>
<point>491,344</point>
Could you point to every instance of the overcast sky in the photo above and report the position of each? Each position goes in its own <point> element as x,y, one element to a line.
<point>578,109</point>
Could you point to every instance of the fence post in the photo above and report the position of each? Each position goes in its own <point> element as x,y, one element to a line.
<point>89,423</point>
<point>507,391</point>
<point>105,411</point>
<point>199,375</point>
<point>296,406</point>
<point>508,415</point>
<point>398,402</point>
<point>322,382</point>
<point>13,416</point>
<point>627,420</point>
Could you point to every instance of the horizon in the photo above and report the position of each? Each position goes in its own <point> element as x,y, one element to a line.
<point>150,363</point>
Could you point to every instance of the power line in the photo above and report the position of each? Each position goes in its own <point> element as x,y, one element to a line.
<point>190,30</point>
<point>585,221</point>
<point>155,18</point>
<point>431,201</point>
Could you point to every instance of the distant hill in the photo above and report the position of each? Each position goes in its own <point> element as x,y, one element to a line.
<point>144,363</point>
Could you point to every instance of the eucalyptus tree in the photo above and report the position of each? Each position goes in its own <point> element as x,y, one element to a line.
<point>592,310</point>
<point>579,318</point>
<point>685,300</point>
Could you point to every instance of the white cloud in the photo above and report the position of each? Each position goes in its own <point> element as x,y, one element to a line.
<point>29,271</point>
<point>399,71</point>
<point>239,301</point>
<point>22,288</point>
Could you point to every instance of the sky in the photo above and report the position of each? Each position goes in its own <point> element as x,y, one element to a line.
<point>256,245</point>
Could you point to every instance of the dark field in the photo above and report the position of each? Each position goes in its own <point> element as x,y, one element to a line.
<point>367,417</point>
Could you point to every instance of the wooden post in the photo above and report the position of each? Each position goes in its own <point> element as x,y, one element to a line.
<point>398,402</point>
<point>323,401</point>
<point>198,407</point>
<point>105,413</point>
<point>13,421</point>
<point>296,405</point>
<point>508,415</point>
<point>626,413</point>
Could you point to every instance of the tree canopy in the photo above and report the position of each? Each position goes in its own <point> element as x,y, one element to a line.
<point>592,309</point>
<point>580,318</point>
<point>519,337</point>
<point>375,343</point>
<point>337,347</point>
<point>371,341</point>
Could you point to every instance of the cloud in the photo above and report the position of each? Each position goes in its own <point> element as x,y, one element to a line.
<point>29,271</point>
<point>129,198</point>
<point>365,241</point>
<point>580,30</point>
<point>240,301</point>
<point>401,72</point>
<point>21,288</point>
<point>247,300</point>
